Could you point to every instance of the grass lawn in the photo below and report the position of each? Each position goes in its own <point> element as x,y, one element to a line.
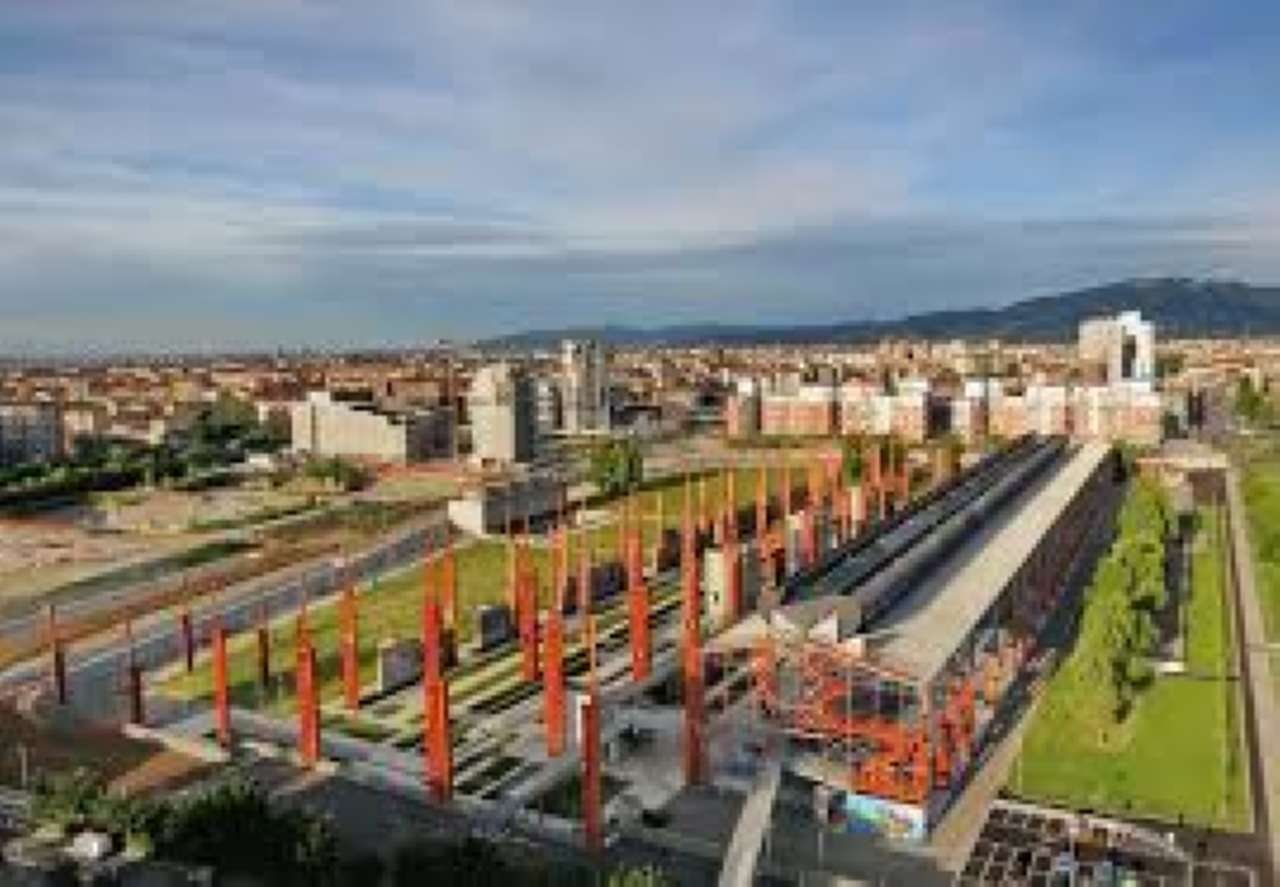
<point>1260,481</point>
<point>1181,751</point>
<point>393,608</point>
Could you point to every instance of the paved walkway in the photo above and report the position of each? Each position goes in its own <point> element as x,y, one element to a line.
<point>1260,701</point>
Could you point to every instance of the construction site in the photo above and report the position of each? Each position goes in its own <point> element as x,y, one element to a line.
<point>858,639</point>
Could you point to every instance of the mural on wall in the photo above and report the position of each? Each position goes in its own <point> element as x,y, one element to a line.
<point>866,814</point>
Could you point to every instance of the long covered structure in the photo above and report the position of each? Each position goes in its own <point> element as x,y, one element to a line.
<point>887,688</point>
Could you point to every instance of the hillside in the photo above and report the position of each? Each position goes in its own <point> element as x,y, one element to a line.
<point>1179,307</point>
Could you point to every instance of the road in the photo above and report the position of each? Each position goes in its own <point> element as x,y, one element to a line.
<point>96,668</point>
<point>1262,719</point>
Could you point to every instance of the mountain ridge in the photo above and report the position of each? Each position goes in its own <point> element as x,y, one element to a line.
<point>1179,306</point>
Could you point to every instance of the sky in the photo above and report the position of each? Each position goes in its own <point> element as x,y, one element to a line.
<point>187,174</point>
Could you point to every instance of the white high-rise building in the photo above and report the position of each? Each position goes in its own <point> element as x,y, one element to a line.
<point>585,377</point>
<point>503,410</point>
<point>1125,345</point>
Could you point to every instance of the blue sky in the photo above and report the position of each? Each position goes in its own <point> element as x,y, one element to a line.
<point>199,174</point>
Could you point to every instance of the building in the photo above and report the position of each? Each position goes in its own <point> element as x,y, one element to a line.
<point>325,426</point>
<point>550,410</point>
<point>585,381</point>
<point>807,409</point>
<point>493,508</point>
<point>1124,346</point>
<point>742,409</point>
<point>887,690</point>
<point>503,410</point>
<point>30,432</point>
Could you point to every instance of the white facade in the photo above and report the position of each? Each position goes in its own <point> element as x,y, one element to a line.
<point>585,377</point>
<point>1124,345</point>
<point>503,409</point>
<point>322,426</point>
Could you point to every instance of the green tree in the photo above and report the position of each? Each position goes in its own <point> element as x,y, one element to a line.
<point>616,466</point>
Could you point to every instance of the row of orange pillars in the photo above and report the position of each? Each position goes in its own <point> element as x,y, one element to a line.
<point>881,485</point>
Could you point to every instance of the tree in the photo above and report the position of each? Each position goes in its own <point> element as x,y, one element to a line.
<point>617,466</point>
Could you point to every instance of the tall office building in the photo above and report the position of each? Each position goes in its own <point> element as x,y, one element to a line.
<point>503,409</point>
<point>30,432</point>
<point>585,376</point>
<point>1124,346</point>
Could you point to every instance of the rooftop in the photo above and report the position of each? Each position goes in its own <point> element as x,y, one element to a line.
<point>922,632</point>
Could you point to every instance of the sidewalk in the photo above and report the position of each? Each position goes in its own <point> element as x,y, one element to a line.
<point>1255,663</point>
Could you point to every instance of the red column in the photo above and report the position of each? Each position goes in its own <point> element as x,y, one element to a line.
<point>137,712</point>
<point>221,692</point>
<point>437,743</point>
<point>308,702</point>
<point>527,618</point>
<point>809,535</point>
<point>694,765</point>
<point>351,649</point>
<point>58,658</point>
<point>638,599</point>
<point>188,634</point>
<point>553,677</point>
<point>591,794</point>
<point>264,652</point>
<point>733,577</point>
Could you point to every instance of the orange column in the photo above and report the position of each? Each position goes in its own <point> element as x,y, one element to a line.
<point>437,744</point>
<point>187,631</point>
<point>350,648</point>
<point>694,764</point>
<point>638,599</point>
<point>553,678</point>
<point>58,658</point>
<point>308,702</point>
<point>264,651</point>
<point>591,794</point>
<point>527,618</point>
<point>221,694</point>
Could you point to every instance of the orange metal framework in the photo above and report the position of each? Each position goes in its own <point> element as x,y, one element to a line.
<point>904,754</point>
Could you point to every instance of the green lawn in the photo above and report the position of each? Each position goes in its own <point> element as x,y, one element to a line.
<point>394,607</point>
<point>1180,752</point>
<point>1261,488</point>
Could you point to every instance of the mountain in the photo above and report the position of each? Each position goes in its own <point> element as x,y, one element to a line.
<point>1179,306</point>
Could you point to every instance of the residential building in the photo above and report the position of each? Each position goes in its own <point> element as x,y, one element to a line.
<point>323,425</point>
<point>503,411</point>
<point>585,380</point>
<point>1123,345</point>
<point>30,432</point>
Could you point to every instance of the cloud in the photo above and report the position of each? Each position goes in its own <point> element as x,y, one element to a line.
<point>299,171</point>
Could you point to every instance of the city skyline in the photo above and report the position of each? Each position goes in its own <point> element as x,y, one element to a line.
<point>182,176</point>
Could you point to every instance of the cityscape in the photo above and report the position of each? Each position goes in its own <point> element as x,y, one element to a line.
<point>570,451</point>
